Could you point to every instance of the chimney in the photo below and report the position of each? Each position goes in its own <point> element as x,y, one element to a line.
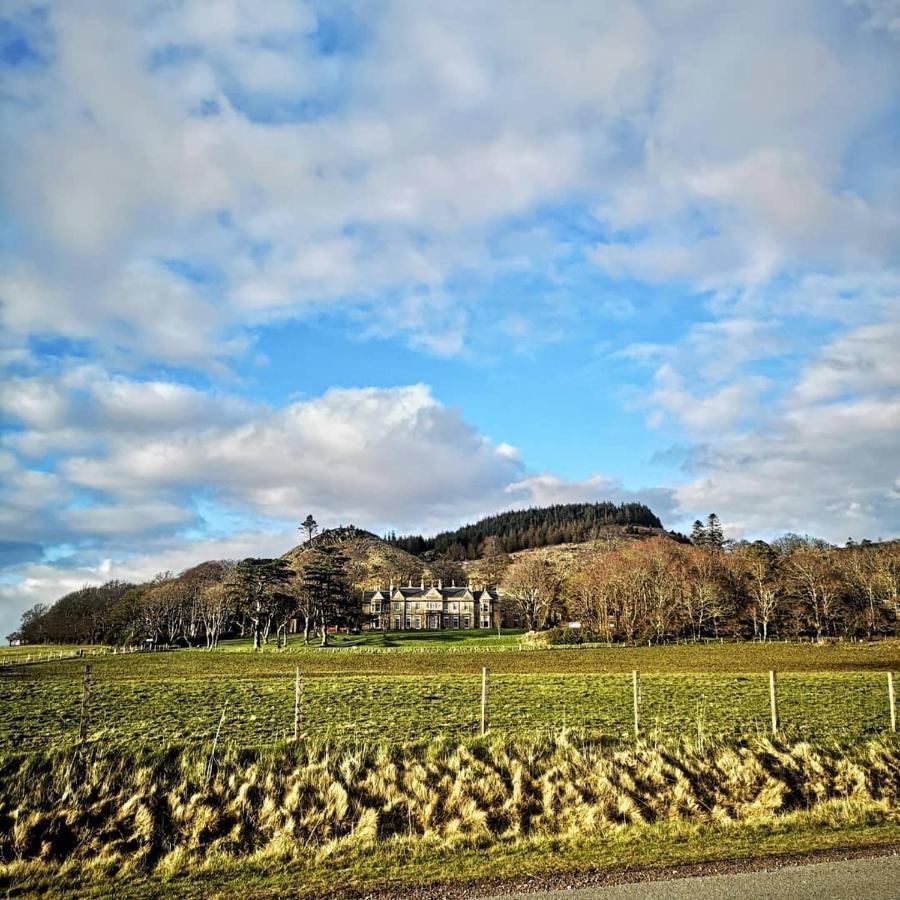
<point>453,583</point>
<point>440,584</point>
<point>422,583</point>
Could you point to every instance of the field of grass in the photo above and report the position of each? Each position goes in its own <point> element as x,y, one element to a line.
<point>706,691</point>
<point>400,640</point>
<point>390,781</point>
<point>311,820</point>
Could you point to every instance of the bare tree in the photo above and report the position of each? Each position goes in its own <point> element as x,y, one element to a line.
<point>531,584</point>
<point>760,565</point>
<point>815,580</point>
<point>216,611</point>
<point>494,561</point>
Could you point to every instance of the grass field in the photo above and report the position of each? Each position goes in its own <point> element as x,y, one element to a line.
<point>399,640</point>
<point>313,820</point>
<point>365,694</point>
<point>390,788</point>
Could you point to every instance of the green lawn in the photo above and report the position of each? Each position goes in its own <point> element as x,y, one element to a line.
<point>359,694</point>
<point>424,686</point>
<point>396,640</point>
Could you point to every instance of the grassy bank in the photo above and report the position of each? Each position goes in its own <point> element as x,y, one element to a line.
<point>307,817</point>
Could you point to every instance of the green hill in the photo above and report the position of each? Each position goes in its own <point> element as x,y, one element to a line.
<point>525,529</point>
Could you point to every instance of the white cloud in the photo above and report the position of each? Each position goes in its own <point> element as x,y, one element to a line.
<point>179,173</point>
<point>702,413</point>
<point>376,455</point>
<point>864,362</point>
<point>546,489</point>
<point>827,470</point>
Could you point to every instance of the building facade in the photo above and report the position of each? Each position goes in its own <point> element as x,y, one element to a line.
<point>433,607</point>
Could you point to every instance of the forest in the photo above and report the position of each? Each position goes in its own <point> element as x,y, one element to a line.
<point>528,528</point>
<point>620,590</point>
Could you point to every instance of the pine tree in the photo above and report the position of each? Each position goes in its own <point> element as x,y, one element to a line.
<point>327,586</point>
<point>699,536</point>
<point>310,526</point>
<point>715,537</point>
<point>259,587</point>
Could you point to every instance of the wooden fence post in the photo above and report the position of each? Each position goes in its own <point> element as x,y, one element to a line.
<point>210,763</point>
<point>85,693</point>
<point>773,700</point>
<point>484,701</point>
<point>892,701</point>
<point>297,690</point>
<point>636,692</point>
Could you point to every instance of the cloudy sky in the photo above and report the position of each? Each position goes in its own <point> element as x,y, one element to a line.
<point>404,263</point>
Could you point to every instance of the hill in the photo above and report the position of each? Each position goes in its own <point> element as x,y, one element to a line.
<point>525,529</point>
<point>373,561</point>
<point>376,562</point>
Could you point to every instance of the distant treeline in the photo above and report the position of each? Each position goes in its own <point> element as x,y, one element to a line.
<point>257,598</point>
<point>526,529</point>
<point>659,590</point>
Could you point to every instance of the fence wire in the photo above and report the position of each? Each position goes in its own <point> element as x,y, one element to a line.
<point>45,710</point>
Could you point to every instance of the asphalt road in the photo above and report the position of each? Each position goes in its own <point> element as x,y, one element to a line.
<point>852,879</point>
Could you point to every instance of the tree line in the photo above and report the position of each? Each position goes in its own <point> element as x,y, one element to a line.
<point>628,591</point>
<point>659,590</point>
<point>255,598</point>
<point>527,529</point>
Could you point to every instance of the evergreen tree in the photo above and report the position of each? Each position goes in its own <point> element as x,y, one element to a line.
<point>715,537</point>
<point>310,526</point>
<point>327,588</point>
<point>698,534</point>
<point>259,586</point>
<point>528,528</point>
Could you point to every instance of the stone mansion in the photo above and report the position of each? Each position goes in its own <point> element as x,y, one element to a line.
<point>433,607</point>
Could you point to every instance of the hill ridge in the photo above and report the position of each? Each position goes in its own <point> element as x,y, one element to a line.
<point>536,526</point>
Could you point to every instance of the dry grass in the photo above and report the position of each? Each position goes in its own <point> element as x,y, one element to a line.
<point>157,810</point>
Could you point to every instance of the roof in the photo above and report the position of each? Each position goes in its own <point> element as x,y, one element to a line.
<point>409,592</point>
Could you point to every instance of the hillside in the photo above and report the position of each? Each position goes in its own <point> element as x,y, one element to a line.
<point>565,558</point>
<point>373,561</point>
<point>526,529</point>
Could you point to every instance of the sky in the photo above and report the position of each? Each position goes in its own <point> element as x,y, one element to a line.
<point>403,264</point>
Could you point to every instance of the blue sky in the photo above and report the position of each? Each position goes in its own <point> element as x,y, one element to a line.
<point>404,264</point>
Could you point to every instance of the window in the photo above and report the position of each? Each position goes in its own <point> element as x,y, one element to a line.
<point>466,622</point>
<point>376,606</point>
<point>407,622</point>
<point>418,623</point>
<point>485,623</point>
<point>397,623</point>
<point>456,621</point>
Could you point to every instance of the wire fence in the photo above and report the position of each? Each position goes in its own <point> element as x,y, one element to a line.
<point>12,660</point>
<point>39,712</point>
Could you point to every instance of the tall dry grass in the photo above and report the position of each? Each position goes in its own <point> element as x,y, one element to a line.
<point>123,810</point>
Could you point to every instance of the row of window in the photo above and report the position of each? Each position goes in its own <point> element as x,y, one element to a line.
<point>415,622</point>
